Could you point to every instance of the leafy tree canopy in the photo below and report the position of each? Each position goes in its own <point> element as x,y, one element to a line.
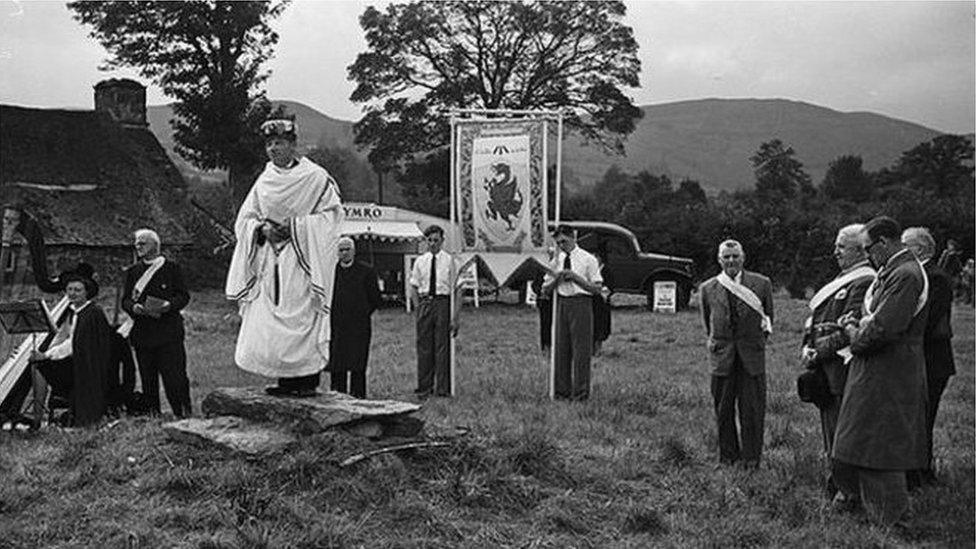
<point>208,55</point>
<point>779,174</point>
<point>846,180</point>
<point>426,57</point>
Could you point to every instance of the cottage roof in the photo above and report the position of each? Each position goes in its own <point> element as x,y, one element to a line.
<point>89,181</point>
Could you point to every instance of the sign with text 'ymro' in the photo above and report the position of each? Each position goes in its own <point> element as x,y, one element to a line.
<point>666,296</point>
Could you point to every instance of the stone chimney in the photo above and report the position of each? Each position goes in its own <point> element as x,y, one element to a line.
<point>124,100</point>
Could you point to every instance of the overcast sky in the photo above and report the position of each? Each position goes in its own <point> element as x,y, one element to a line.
<point>909,60</point>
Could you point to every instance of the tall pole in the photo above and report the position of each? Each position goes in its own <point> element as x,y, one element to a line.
<point>555,293</point>
<point>454,195</point>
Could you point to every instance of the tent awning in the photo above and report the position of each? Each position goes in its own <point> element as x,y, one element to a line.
<point>383,230</point>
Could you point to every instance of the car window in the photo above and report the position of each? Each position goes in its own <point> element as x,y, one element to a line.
<point>618,248</point>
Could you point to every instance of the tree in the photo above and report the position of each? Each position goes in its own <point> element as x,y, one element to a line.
<point>208,55</point>
<point>778,174</point>
<point>846,180</point>
<point>426,57</point>
<point>942,167</point>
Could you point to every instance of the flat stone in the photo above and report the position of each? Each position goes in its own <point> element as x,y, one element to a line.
<point>234,433</point>
<point>305,415</point>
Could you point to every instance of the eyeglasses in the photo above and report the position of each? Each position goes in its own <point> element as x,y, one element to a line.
<point>277,127</point>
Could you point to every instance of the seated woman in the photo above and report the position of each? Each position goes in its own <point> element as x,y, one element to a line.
<point>76,364</point>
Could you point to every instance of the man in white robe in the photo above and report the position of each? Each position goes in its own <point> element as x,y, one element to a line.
<point>283,266</point>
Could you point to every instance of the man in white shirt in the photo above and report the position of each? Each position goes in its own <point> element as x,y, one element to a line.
<point>574,277</point>
<point>436,321</point>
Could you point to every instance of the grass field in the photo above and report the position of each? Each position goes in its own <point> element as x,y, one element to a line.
<point>632,467</point>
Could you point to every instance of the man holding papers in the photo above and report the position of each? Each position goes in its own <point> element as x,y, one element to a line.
<point>826,346</point>
<point>153,295</point>
<point>737,309</point>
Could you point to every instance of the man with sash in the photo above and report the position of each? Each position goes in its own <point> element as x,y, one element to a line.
<point>939,362</point>
<point>283,267</point>
<point>737,309</point>
<point>838,300</point>
<point>153,295</point>
<point>881,426</point>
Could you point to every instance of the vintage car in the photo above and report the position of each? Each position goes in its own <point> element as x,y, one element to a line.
<point>633,271</point>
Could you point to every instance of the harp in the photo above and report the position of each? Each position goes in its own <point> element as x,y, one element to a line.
<point>16,376</point>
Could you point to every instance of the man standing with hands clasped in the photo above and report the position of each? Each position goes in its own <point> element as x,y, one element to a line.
<point>432,280</point>
<point>575,276</point>
<point>737,308</point>
<point>881,427</point>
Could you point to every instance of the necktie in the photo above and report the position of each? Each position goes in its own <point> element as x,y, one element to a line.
<point>567,264</point>
<point>432,291</point>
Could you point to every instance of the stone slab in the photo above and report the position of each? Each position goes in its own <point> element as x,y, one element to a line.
<point>307,415</point>
<point>230,432</point>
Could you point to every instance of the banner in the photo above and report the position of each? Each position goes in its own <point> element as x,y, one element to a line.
<point>501,184</point>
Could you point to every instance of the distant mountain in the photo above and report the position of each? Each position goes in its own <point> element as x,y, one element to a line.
<point>709,140</point>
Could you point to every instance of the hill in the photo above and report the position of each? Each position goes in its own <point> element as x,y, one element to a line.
<point>709,140</point>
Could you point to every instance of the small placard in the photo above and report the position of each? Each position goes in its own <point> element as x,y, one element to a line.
<point>666,296</point>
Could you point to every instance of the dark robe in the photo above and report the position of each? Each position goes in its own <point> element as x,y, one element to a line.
<point>83,378</point>
<point>355,296</point>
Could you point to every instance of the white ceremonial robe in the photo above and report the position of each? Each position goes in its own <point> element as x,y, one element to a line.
<point>286,335</point>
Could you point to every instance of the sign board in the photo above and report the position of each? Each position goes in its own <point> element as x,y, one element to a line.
<point>666,296</point>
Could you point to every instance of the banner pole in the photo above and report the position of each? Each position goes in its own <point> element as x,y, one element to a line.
<point>555,293</point>
<point>454,224</point>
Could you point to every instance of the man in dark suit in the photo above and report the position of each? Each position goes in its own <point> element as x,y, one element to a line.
<point>154,294</point>
<point>840,298</point>
<point>737,309</point>
<point>937,344</point>
<point>355,295</point>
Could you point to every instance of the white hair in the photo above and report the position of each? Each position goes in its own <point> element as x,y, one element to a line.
<point>921,238</point>
<point>730,244</point>
<point>152,235</point>
<point>852,234</point>
<point>346,240</point>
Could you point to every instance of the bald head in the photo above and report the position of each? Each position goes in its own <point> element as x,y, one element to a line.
<point>347,251</point>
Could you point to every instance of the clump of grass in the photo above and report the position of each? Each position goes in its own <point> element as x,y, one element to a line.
<point>641,520</point>
<point>674,451</point>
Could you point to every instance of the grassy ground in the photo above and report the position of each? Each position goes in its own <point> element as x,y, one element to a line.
<point>632,467</point>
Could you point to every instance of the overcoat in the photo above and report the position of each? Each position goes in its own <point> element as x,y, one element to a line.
<point>882,416</point>
<point>746,337</point>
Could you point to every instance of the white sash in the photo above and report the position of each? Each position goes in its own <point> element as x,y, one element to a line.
<point>923,297</point>
<point>137,289</point>
<point>748,296</point>
<point>143,281</point>
<point>836,284</point>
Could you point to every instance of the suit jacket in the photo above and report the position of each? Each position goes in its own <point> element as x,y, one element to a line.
<point>847,299</point>
<point>938,330</point>
<point>167,283</point>
<point>746,337</point>
<point>882,421</point>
